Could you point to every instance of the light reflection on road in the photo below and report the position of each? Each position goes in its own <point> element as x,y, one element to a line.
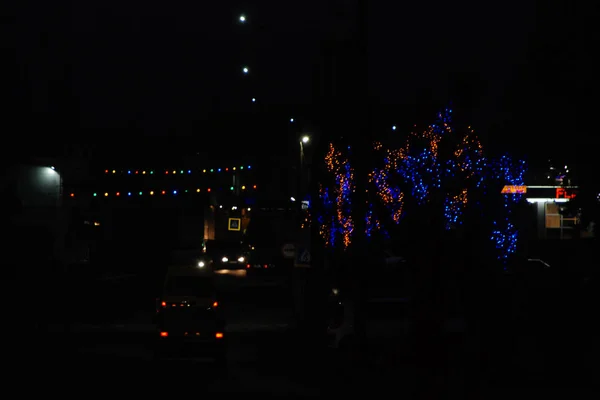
<point>238,273</point>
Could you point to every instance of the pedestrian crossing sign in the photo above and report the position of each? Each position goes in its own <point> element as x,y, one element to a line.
<point>235,224</point>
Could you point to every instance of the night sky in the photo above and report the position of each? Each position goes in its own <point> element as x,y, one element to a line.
<point>138,76</point>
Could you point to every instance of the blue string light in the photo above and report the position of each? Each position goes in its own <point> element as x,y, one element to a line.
<point>442,125</point>
<point>467,170</point>
<point>505,235</point>
<point>420,173</point>
<point>373,224</point>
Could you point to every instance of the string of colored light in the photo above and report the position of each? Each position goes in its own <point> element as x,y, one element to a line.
<point>306,222</point>
<point>326,220</point>
<point>127,193</point>
<point>391,197</point>
<point>443,123</point>
<point>505,235</point>
<point>174,171</point>
<point>454,207</point>
<point>470,158</point>
<point>422,171</point>
<point>466,169</point>
<point>337,221</point>
<point>343,174</point>
<point>344,217</point>
<point>373,224</point>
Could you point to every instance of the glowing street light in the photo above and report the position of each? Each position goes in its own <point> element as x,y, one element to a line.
<point>242,18</point>
<point>245,70</point>
<point>304,140</point>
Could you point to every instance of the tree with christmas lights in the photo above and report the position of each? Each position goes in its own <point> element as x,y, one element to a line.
<point>437,171</point>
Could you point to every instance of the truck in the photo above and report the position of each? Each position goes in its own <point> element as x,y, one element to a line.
<point>272,227</point>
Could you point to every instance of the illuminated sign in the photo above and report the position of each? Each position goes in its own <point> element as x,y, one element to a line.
<point>511,189</point>
<point>562,193</point>
<point>235,224</point>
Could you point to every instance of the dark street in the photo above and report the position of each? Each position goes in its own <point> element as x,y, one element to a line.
<point>110,342</point>
<point>335,198</point>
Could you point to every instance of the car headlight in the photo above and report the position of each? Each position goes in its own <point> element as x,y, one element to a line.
<point>201,264</point>
<point>241,259</point>
<point>335,291</point>
<point>225,259</point>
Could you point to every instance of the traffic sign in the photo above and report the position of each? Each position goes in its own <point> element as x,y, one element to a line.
<point>235,224</point>
<point>302,258</point>
<point>288,250</point>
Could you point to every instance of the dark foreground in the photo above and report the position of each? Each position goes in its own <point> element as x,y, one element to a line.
<point>105,344</point>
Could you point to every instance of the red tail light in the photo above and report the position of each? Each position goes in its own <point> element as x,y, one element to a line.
<point>164,334</point>
<point>247,265</point>
<point>215,304</point>
<point>164,304</point>
<point>219,335</point>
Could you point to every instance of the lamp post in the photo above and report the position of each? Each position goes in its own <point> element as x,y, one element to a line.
<point>304,140</point>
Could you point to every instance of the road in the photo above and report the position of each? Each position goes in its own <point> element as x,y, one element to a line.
<point>110,338</point>
<point>108,346</point>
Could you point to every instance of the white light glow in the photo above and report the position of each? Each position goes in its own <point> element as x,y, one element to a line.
<point>51,171</point>
<point>225,259</point>
<point>241,259</point>
<point>548,200</point>
<point>305,139</point>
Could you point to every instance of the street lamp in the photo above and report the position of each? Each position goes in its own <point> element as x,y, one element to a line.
<point>304,140</point>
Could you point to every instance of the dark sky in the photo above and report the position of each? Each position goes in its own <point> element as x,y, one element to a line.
<point>127,73</point>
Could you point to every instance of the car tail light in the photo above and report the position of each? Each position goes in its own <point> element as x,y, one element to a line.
<point>219,335</point>
<point>247,265</point>
<point>266,266</point>
<point>164,334</point>
<point>164,304</point>
<point>215,304</point>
